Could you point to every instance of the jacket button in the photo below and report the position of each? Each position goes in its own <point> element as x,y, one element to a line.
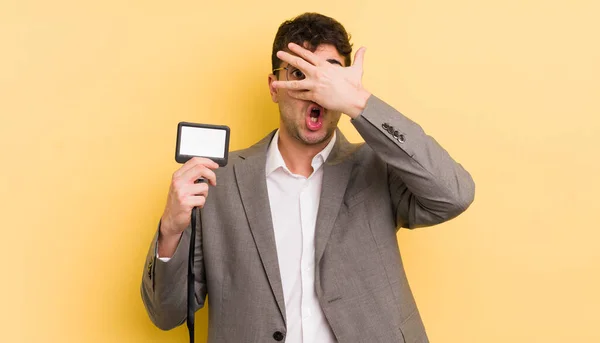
<point>278,336</point>
<point>396,133</point>
<point>385,126</point>
<point>401,138</point>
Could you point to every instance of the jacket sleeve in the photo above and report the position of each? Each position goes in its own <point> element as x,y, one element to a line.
<point>427,186</point>
<point>164,284</point>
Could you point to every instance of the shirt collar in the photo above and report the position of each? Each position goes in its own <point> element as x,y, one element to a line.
<point>275,160</point>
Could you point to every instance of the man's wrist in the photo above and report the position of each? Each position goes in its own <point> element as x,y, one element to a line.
<point>359,104</point>
<point>168,244</point>
<point>167,229</point>
<point>169,237</point>
<point>167,240</point>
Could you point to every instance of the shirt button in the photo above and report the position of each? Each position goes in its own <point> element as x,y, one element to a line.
<point>278,336</point>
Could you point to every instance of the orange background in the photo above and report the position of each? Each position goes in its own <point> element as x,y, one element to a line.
<point>91,92</point>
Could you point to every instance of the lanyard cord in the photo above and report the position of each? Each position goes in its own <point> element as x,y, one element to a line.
<point>190,278</point>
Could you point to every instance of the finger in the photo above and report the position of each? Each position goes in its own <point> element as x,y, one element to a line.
<point>294,85</point>
<point>305,54</point>
<point>194,161</point>
<point>195,201</point>
<point>200,171</point>
<point>359,58</point>
<point>296,61</point>
<point>181,194</point>
<point>191,163</point>
<point>302,95</point>
<point>197,189</point>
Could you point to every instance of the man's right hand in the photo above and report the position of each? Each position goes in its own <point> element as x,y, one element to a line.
<point>184,195</point>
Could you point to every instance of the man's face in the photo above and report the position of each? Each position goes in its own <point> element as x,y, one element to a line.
<point>305,121</point>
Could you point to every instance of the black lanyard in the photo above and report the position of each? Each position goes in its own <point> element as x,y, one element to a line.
<point>191,278</point>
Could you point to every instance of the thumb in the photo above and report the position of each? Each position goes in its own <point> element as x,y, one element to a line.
<point>359,58</point>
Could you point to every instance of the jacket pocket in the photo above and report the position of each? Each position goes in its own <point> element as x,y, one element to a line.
<point>357,197</point>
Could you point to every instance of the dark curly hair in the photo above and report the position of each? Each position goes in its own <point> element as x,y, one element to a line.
<point>312,29</point>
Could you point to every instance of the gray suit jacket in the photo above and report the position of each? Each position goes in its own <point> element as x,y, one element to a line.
<point>400,178</point>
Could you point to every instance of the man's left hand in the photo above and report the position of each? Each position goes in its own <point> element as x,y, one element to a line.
<point>334,87</point>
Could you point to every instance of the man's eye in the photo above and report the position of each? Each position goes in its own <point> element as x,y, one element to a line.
<point>297,74</point>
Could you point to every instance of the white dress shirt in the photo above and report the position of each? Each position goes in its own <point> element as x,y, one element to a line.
<point>294,201</point>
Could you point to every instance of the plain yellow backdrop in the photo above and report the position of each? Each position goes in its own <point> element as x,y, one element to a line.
<point>91,92</point>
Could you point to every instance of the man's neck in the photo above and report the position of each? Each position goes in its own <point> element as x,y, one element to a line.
<point>297,155</point>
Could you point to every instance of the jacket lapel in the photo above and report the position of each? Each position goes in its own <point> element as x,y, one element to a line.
<point>336,174</point>
<point>251,180</point>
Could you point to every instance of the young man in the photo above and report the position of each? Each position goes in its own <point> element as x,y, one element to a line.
<point>297,242</point>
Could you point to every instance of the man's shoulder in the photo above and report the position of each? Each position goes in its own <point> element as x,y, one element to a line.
<point>360,153</point>
<point>235,157</point>
<point>257,149</point>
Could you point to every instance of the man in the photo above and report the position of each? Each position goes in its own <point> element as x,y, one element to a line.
<point>297,241</point>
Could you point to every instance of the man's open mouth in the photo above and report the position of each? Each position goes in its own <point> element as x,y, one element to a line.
<point>314,117</point>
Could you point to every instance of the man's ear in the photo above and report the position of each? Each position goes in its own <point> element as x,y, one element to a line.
<point>273,90</point>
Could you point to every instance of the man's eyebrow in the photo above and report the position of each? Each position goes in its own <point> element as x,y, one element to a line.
<point>334,61</point>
